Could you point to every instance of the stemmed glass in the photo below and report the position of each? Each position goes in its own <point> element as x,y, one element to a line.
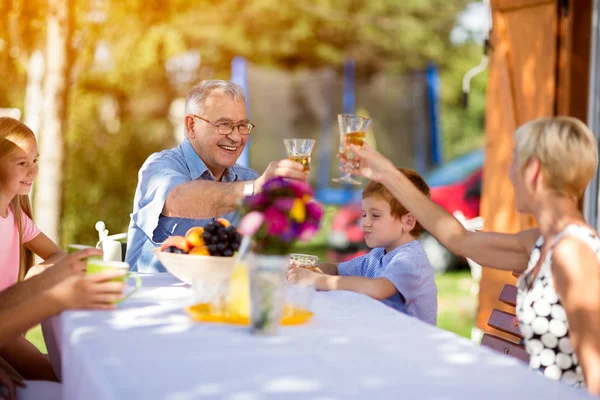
<point>353,130</point>
<point>299,150</point>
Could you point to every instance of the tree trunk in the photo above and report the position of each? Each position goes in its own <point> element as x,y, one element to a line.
<point>48,195</point>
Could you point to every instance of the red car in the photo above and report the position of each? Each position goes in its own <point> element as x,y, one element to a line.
<point>456,185</point>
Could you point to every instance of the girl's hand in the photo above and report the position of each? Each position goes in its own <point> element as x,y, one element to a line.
<point>72,264</point>
<point>97,291</point>
<point>73,289</point>
<point>368,163</point>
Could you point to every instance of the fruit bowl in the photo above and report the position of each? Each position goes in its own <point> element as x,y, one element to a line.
<point>190,267</point>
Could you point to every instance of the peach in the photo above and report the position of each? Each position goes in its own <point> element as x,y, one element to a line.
<point>200,251</point>
<point>195,237</point>
<point>224,222</point>
<point>175,244</point>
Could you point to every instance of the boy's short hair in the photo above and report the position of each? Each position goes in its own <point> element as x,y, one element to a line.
<point>397,209</point>
<point>566,149</point>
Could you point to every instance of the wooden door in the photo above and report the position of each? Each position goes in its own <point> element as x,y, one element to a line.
<point>538,52</point>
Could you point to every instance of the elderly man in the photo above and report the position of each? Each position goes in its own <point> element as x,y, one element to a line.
<point>199,180</point>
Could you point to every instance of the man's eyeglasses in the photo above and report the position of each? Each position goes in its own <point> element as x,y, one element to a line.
<point>226,128</point>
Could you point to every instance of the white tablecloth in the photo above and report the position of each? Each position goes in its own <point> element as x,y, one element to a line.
<point>354,348</point>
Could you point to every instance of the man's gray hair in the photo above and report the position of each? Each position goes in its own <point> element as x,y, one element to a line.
<point>194,103</point>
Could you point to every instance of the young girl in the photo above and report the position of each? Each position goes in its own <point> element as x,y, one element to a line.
<point>19,237</point>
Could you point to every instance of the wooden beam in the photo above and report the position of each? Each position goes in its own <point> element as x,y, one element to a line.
<point>512,5</point>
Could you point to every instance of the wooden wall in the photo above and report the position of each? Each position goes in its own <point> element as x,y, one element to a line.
<point>539,62</point>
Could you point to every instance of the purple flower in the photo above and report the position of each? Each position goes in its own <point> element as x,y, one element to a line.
<point>274,183</point>
<point>257,201</point>
<point>277,222</point>
<point>288,235</point>
<point>301,188</point>
<point>280,214</point>
<point>284,204</point>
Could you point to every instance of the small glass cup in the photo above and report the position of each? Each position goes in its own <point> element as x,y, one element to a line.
<point>299,150</point>
<point>353,130</point>
<point>304,260</point>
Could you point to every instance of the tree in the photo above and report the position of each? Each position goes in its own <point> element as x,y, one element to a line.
<point>56,91</point>
<point>99,165</point>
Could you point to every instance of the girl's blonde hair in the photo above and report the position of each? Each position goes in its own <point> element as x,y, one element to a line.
<point>566,149</point>
<point>12,134</point>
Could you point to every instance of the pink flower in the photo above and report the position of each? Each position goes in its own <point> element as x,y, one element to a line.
<point>314,210</point>
<point>283,212</point>
<point>277,222</point>
<point>301,188</point>
<point>251,223</point>
<point>308,232</point>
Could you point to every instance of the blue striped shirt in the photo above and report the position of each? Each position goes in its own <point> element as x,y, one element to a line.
<point>409,270</point>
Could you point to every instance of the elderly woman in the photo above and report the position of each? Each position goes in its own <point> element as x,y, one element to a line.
<point>558,303</point>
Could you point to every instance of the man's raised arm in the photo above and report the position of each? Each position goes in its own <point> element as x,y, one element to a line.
<point>208,199</point>
<point>205,199</point>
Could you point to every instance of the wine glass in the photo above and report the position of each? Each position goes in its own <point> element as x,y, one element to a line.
<point>299,150</point>
<point>353,130</point>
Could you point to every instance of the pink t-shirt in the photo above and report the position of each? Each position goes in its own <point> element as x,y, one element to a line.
<point>9,246</point>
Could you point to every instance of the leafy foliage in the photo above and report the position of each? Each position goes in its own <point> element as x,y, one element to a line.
<point>132,80</point>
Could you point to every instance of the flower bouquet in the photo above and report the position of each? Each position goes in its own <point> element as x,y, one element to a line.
<point>275,218</point>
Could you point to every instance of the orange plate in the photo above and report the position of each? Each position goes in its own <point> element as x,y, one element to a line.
<point>202,312</point>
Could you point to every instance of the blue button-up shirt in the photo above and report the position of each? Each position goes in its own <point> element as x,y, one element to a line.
<point>409,270</point>
<point>158,176</point>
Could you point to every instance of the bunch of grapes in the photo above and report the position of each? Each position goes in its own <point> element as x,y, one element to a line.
<point>221,240</point>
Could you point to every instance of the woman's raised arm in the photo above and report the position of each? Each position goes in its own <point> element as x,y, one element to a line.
<point>497,250</point>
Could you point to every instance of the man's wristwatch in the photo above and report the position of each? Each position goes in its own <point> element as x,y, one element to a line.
<point>249,188</point>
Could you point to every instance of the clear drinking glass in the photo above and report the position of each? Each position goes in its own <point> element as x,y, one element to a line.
<point>299,150</point>
<point>304,260</point>
<point>353,130</point>
<point>267,275</point>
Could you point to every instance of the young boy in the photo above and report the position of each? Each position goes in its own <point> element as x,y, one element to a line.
<point>396,271</point>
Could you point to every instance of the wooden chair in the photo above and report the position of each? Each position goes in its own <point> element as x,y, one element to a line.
<point>508,323</point>
<point>506,347</point>
<point>505,322</point>
<point>509,295</point>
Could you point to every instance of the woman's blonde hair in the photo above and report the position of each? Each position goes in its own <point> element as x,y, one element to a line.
<point>12,134</point>
<point>566,149</point>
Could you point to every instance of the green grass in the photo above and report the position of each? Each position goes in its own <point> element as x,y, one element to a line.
<point>456,303</point>
<point>35,336</point>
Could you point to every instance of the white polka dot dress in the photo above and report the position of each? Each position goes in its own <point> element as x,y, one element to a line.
<point>542,318</point>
